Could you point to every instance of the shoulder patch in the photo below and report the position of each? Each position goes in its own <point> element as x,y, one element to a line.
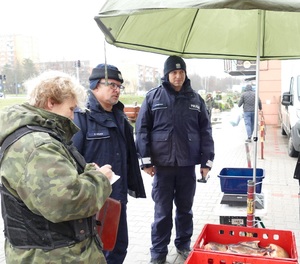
<point>194,107</point>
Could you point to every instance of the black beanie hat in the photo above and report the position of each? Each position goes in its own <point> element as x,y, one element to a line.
<point>174,63</point>
<point>99,73</point>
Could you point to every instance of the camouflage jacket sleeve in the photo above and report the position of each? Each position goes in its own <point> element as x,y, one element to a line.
<point>39,170</point>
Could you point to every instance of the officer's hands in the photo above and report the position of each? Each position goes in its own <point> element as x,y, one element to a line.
<point>151,171</point>
<point>204,172</point>
<point>204,175</point>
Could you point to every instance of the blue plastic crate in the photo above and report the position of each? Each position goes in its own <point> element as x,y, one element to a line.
<point>235,180</point>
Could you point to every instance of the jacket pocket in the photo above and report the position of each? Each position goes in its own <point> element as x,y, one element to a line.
<point>160,145</point>
<point>194,145</point>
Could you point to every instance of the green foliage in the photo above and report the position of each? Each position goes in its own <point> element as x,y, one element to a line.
<point>17,74</point>
<point>222,106</point>
<point>225,101</point>
<point>29,69</point>
<point>129,99</point>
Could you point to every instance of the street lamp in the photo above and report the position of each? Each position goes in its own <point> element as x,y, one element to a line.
<point>2,83</point>
<point>77,66</point>
<point>10,48</point>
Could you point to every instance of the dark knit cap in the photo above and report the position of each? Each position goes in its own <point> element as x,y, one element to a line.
<point>99,73</point>
<point>174,63</point>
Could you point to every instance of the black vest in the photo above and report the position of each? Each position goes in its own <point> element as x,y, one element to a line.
<point>26,230</point>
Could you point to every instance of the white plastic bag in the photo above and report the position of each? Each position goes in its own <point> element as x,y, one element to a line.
<point>235,116</point>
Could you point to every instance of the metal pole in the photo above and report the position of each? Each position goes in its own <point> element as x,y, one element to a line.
<point>77,65</point>
<point>250,204</point>
<point>77,73</point>
<point>262,135</point>
<point>248,154</point>
<point>105,65</point>
<point>1,86</point>
<point>15,82</point>
<point>251,196</point>
<point>256,94</point>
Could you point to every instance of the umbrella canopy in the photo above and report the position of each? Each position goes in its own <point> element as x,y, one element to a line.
<point>225,29</point>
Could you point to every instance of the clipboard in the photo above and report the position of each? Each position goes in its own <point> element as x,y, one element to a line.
<point>107,220</point>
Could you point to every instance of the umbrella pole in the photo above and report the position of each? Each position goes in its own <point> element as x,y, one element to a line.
<point>248,154</point>
<point>250,204</point>
<point>251,185</point>
<point>105,64</point>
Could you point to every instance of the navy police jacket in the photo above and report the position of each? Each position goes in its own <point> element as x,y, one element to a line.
<point>173,128</point>
<point>107,138</point>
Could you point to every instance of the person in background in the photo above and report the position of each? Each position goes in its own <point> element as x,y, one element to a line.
<point>209,101</point>
<point>49,194</point>
<point>173,134</point>
<point>106,137</point>
<point>296,175</point>
<point>247,100</point>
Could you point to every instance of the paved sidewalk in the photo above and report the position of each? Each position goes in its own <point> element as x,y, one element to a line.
<point>282,199</point>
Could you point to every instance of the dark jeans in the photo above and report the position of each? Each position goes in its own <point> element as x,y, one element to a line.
<point>249,123</point>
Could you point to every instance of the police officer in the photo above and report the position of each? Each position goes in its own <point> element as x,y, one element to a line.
<point>173,134</point>
<point>106,137</point>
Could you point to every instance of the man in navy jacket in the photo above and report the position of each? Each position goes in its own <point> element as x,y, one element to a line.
<point>106,137</point>
<point>173,134</point>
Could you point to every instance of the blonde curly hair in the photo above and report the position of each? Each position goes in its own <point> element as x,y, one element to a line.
<point>57,86</point>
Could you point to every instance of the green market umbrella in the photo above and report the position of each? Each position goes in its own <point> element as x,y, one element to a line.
<point>219,29</point>
<point>226,29</point>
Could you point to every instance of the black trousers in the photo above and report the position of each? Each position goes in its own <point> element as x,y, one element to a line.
<point>172,185</point>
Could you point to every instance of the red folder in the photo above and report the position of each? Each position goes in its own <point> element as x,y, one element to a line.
<point>108,219</point>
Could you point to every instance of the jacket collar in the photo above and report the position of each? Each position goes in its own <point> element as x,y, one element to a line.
<point>186,87</point>
<point>62,125</point>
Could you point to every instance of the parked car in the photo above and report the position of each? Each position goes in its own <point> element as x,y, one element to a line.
<point>1,95</point>
<point>290,116</point>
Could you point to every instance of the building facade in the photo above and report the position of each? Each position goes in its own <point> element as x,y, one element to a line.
<point>138,78</point>
<point>270,84</point>
<point>16,48</point>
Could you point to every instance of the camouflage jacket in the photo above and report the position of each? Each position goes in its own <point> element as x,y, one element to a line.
<point>40,171</point>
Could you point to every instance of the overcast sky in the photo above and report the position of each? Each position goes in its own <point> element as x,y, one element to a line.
<point>67,31</point>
